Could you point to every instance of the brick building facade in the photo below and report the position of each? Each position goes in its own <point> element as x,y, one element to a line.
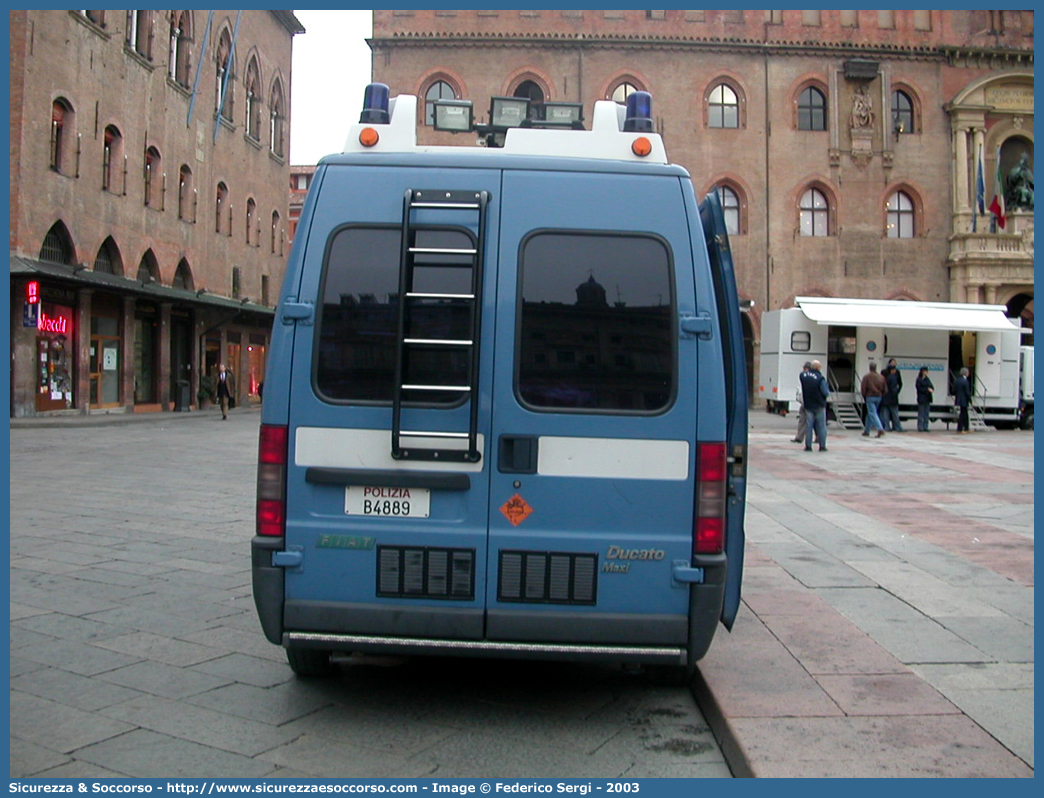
<point>845,144</point>
<point>149,164</point>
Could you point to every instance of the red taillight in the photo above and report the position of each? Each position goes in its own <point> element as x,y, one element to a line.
<point>271,481</point>
<point>709,529</point>
<point>272,446</point>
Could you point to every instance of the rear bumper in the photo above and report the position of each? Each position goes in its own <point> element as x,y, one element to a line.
<point>523,632</point>
<point>666,655</point>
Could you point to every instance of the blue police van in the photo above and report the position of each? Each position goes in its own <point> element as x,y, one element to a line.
<point>505,401</point>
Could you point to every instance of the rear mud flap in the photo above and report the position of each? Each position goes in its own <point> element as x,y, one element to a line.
<point>268,587</point>
<point>705,603</point>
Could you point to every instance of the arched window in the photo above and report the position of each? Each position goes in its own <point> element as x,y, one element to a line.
<point>253,101</point>
<point>276,119</point>
<point>225,75</point>
<point>112,150</point>
<point>276,235</point>
<point>723,107</point>
<point>439,90</point>
<point>57,245</point>
<point>61,125</point>
<point>814,213</point>
<point>148,268</point>
<point>153,179</point>
<point>139,33</point>
<point>108,260</point>
<point>623,91</point>
<point>251,218</point>
<point>221,200</point>
<point>186,195</point>
<point>900,218</point>
<point>180,57</point>
<point>811,109</point>
<point>97,17</point>
<point>529,90</point>
<point>902,112</point>
<point>183,277</point>
<point>730,206</point>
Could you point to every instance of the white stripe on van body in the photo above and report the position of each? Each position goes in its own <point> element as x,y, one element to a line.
<point>613,458</point>
<point>599,458</point>
<point>332,447</point>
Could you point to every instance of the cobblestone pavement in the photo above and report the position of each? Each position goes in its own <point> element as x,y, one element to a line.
<point>135,649</point>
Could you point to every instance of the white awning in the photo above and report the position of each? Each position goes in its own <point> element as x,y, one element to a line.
<point>897,313</point>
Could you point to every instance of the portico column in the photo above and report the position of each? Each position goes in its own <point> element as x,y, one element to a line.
<point>960,148</point>
<point>164,389</point>
<point>127,367</point>
<point>82,337</point>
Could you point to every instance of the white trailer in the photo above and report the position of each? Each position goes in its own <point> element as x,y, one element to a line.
<point>1026,385</point>
<point>845,335</point>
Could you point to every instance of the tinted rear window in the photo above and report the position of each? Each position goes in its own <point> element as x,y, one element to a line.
<point>596,323</point>
<point>358,317</point>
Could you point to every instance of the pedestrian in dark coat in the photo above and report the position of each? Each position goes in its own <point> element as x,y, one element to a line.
<point>890,401</point>
<point>924,399</point>
<point>814,392</point>
<point>226,390</point>
<point>962,398</point>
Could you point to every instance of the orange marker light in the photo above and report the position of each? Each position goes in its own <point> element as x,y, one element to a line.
<point>641,146</point>
<point>368,137</point>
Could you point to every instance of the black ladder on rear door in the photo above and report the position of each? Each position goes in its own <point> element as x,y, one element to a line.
<point>470,202</point>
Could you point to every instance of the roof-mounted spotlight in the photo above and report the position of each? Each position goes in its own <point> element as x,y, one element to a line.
<point>639,113</point>
<point>505,112</point>
<point>454,116</point>
<point>375,105</point>
<point>570,115</point>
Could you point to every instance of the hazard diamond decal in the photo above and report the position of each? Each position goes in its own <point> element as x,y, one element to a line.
<point>516,510</point>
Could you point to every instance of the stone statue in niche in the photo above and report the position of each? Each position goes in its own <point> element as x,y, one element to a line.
<point>1019,193</point>
<point>862,109</point>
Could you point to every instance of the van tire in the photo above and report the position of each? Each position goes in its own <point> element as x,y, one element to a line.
<point>310,663</point>
<point>670,675</point>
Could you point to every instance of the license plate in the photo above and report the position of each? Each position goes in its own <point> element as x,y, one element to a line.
<point>388,502</point>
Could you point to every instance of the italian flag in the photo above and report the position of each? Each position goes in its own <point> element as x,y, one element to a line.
<point>997,206</point>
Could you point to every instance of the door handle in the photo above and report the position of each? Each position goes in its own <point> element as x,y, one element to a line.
<point>518,454</point>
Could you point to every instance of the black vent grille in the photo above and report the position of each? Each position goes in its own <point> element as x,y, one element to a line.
<point>421,572</point>
<point>548,577</point>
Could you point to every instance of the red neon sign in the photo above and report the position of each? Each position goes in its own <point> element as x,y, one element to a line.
<point>58,325</point>
<point>32,292</point>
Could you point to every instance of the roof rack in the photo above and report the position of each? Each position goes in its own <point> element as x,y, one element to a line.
<point>621,133</point>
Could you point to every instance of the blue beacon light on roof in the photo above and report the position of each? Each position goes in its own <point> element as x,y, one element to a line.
<point>638,118</point>
<point>375,105</point>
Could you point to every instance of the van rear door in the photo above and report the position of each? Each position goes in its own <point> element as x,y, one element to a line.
<point>391,544</point>
<point>731,336</point>
<point>595,407</point>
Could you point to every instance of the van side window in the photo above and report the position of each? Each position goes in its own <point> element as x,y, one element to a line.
<point>358,319</point>
<point>801,341</point>
<point>596,329</point>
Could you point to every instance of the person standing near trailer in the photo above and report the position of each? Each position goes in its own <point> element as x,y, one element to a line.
<point>799,436</point>
<point>924,399</point>
<point>962,399</point>
<point>814,393</point>
<point>890,401</point>
<point>873,387</point>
